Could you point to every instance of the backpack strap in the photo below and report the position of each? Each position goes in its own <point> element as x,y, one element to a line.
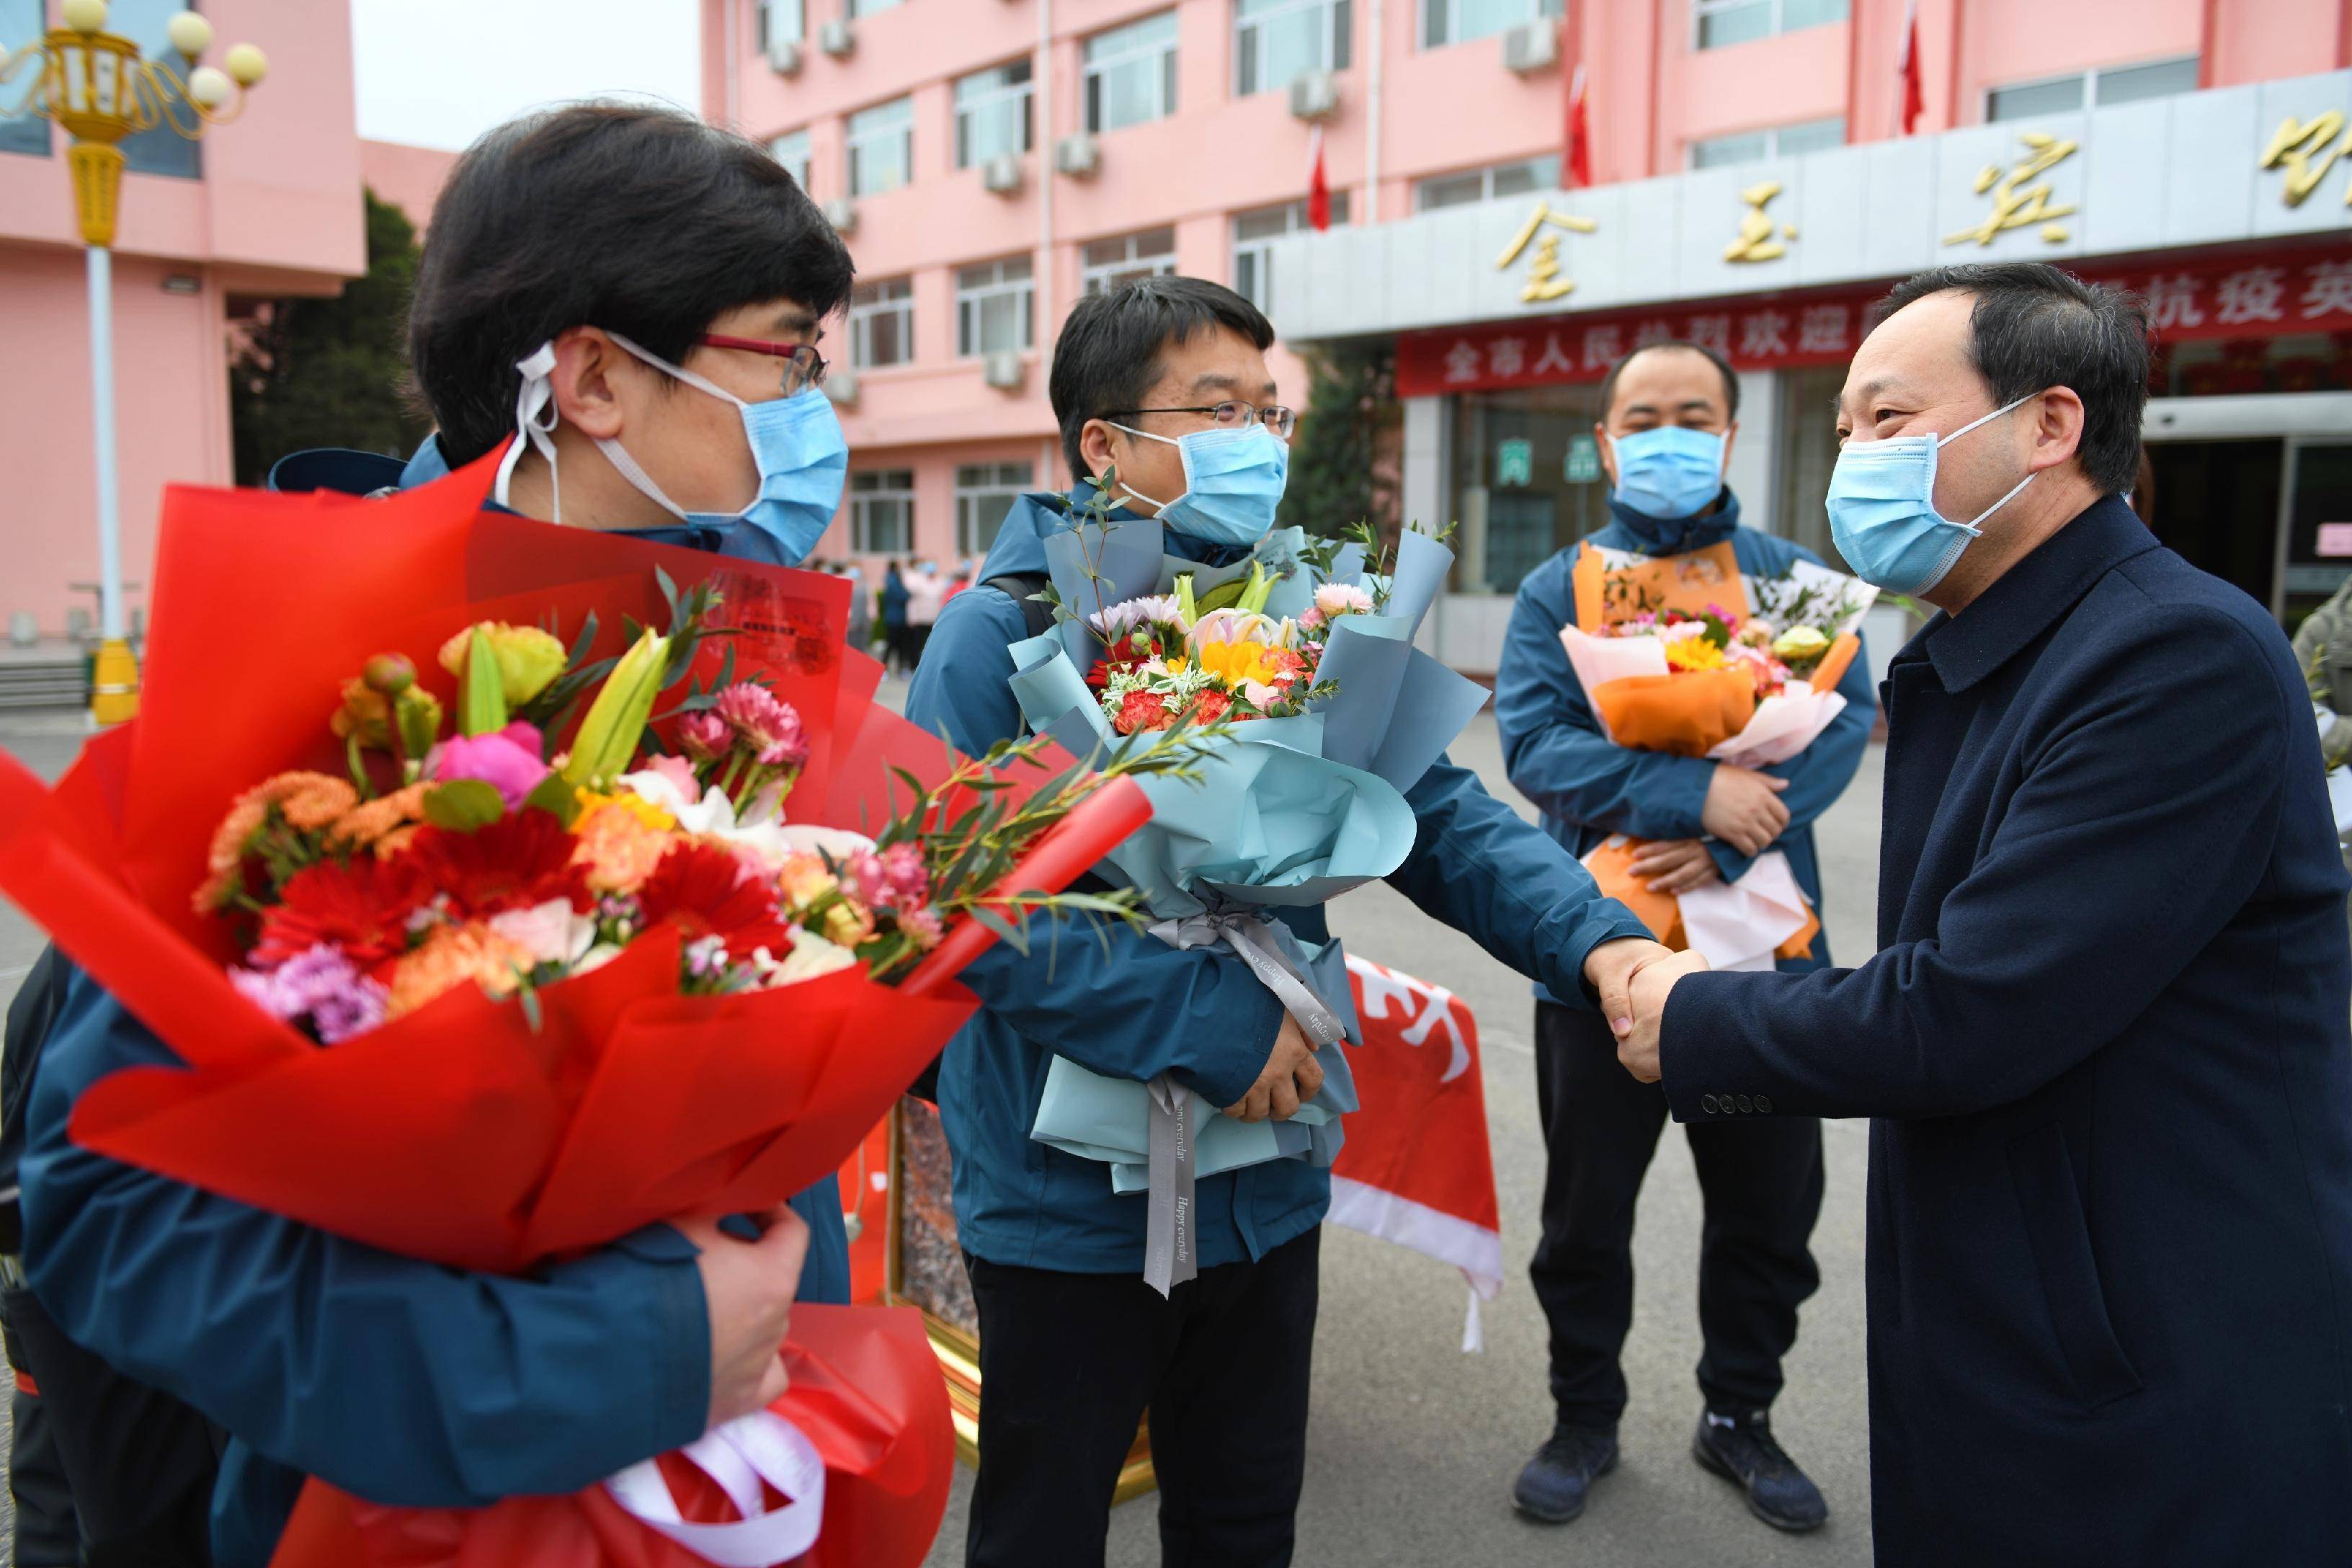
<point>1023,588</point>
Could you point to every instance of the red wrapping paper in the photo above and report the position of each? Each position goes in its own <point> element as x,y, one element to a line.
<point>461,1134</point>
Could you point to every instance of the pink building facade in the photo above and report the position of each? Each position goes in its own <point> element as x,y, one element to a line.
<point>990,161</point>
<point>266,205</point>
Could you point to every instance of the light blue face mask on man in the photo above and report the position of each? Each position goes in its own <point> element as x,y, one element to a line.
<point>1234,480</point>
<point>1668,472</point>
<point>796,441</point>
<point>1882,506</point>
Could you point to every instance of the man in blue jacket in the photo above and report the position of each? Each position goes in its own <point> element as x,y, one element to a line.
<point>1669,418</point>
<point>2105,1041</point>
<point>628,282</point>
<point>1073,1344</point>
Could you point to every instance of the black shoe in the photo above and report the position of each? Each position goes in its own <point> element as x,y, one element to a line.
<point>1552,1489</point>
<point>1742,1452</point>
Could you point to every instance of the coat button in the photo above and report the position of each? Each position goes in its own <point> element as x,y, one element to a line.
<point>1764,1104</point>
<point>1745,1103</point>
<point>1706,1102</point>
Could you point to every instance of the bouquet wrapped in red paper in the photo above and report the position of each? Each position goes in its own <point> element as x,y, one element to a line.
<point>507,888</point>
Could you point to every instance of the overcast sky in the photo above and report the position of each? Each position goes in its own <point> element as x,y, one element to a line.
<point>438,73</point>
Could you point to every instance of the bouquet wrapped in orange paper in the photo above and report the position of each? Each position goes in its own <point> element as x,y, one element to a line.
<point>507,888</point>
<point>1686,655</point>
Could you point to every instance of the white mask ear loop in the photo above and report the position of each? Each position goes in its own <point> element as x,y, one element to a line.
<point>1146,436</point>
<point>1976,529</point>
<point>535,422</point>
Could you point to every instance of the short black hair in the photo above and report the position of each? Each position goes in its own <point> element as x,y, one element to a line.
<point>1110,351</point>
<point>2033,327</point>
<point>641,220</point>
<point>1730,376</point>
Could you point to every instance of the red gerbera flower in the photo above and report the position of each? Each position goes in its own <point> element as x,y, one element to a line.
<point>360,910</point>
<point>705,891</point>
<point>523,859</point>
<point>1124,654</point>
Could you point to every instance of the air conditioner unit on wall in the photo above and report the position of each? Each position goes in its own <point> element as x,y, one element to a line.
<point>1005,369</point>
<point>836,39</point>
<point>841,213</point>
<point>1079,156</point>
<point>1315,95</point>
<point>1002,175</point>
<point>784,56</point>
<point>841,385</point>
<point>1531,46</point>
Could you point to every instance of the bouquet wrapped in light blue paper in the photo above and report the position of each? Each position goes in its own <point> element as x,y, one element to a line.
<point>1302,657</point>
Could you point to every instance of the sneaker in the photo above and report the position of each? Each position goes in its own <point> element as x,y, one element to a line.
<point>1552,1489</point>
<point>1741,1451</point>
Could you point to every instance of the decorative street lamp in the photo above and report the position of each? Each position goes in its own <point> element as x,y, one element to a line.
<point>96,86</point>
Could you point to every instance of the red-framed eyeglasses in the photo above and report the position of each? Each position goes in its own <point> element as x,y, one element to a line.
<point>803,366</point>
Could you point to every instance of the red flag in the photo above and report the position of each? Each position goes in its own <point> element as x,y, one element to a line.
<point>1578,164</point>
<point>1915,99</point>
<point>1318,185</point>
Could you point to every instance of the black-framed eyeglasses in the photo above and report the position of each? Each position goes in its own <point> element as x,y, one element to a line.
<point>803,366</point>
<point>1230,415</point>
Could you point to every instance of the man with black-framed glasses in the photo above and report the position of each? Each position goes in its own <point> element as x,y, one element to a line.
<point>1166,381</point>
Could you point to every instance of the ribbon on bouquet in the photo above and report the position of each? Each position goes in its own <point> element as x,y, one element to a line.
<point>743,1457</point>
<point>1169,1256</point>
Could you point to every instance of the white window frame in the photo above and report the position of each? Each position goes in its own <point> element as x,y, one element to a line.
<point>806,167</point>
<point>1100,277</point>
<point>853,140</point>
<point>2090,81</point>
<point>861,516</point>
<point>857,10</point>
<point>971,299</point>
<point>1258,249</point>
<point>1487,179</point>
<point>862,314</point>
<point>1020,93</point>
<point>1337,38</point>
<point>1772,134</point>
<point>1702,9</point>
<point>764,25</point>
<point>1451,10</point>
<point>1001,481</point>
<point>1094,70</point>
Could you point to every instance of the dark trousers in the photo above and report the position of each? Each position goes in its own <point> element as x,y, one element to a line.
<point>1069,1361</point>
<point>1762,1182</point>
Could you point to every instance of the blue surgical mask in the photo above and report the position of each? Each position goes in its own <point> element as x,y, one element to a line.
<point>1234,480</point>
<point>795,441</point>
<point>1668,472</point>
<point>1882,506</point>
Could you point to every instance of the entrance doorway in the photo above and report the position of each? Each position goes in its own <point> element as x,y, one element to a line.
<point>2216,503</point>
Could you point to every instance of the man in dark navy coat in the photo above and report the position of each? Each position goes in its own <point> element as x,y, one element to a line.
<point>2105,1041</point>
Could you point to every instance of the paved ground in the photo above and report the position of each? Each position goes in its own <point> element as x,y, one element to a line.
<point>1414,1446</point>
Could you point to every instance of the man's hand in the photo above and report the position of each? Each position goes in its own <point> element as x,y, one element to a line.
<point>1675,865</point>
<point>749,1287</point>
<point>1290,1078</point>
<point>1743,808</point>
<point>1637,1045</point>
<point>1610,967</point>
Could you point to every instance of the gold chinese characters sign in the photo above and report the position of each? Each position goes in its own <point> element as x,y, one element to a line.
<point>1544,280</point>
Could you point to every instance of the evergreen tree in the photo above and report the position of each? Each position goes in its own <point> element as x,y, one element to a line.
<point>331,372</point>
<point>1343,459</point>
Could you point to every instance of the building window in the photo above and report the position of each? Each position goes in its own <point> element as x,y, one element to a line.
<point>1779,142</point>
<point>1105,264</point>
<point>992,306</point>
<point>160,150</point>
<point>1525,481</point>
<point>1445,22</point>
<point>984,495</point>
<point>791,150</point>
<point>779,22</point>
<point>882,323</point>
<point>1722,23</point>
<point>882,511</point>
<point>2093,89</point>
<point>881,147</point>
<point>1254,237</point>
<point>1487,184</point>
<point>857,8</point>
<point>992,109</point>
<point>1277,41</point>
<point>20,24</point>
<point>1131,73</point>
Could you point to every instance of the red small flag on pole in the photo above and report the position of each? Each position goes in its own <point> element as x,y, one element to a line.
<point>1914,94</point>
<point>1578,163</point>
<point>1318,185</point>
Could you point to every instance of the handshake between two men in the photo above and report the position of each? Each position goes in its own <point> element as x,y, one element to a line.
<point>1630,976</point>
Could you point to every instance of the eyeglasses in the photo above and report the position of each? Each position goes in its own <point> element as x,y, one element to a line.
<point>1231,415</point>
<point>803,366</point>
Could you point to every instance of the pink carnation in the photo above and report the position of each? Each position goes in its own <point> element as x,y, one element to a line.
<point>922,927</point>
<point>905,884</point>
<point>765,724</point>
<point>704,735</point>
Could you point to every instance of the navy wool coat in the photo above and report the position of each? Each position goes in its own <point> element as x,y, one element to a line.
<point>2105,1046</point>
